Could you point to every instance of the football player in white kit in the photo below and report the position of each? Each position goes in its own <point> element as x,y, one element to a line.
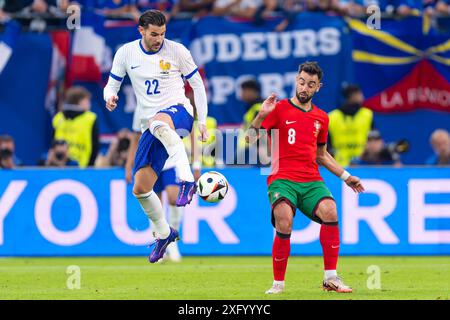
<point>156,67</point>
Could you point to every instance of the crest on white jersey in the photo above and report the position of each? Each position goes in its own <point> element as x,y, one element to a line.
<point>165,66</point>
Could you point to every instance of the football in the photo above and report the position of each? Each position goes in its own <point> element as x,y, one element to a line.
<point>212,186</point>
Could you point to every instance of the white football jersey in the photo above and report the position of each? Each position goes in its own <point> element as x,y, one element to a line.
<point>156,77</point>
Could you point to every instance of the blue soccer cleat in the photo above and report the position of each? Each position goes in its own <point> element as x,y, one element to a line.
<point>161,245</point>
<point>187,191</point>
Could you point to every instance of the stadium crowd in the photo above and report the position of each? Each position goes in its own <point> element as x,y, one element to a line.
<point>249,9</point>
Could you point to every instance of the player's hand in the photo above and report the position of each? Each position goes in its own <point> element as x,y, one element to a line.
<point>111,104</point>
<point>355,183</point>
<point>267,106</point>
<point>203,132</point>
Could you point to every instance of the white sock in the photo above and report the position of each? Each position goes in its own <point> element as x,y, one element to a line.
<point>174,147</point>
<point>175,216</point>
<point>280,283</point>
<point>152,207</point>
<point>330,273</point>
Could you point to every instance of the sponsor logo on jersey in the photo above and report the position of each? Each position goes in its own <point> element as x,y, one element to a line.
<point>290,122</point>
<point>165,66</point>
<point>317,127</point>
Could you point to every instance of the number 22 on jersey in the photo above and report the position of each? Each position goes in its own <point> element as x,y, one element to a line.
<point>152,86</point>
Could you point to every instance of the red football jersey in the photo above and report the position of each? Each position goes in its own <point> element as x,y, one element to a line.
<point>299,133</point>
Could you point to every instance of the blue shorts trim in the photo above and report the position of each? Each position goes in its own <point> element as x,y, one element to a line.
<point>166,178</point>
<point>150,151</point>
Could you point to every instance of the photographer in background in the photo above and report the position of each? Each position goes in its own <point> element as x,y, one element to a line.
<point>440,142</point>
<point>58,155</point>
<point>117,151</point>
<point>8,158</point>
<point>377,152</point>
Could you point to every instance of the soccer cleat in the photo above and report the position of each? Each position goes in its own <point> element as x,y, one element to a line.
<point>276,289</point>
<point>187,191</point>
<point>336,284</point>
<point>161,245</point>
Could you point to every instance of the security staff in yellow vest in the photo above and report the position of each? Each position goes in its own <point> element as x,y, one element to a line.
<point>78,126</point>
<point>349,126</point>
<point>206,155</point>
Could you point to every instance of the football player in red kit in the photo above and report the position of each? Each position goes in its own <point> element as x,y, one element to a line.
<point>295,181</point>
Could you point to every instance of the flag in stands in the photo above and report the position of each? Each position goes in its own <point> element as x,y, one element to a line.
<point>60,56</point>
<point>88,49</point>
<point>8,42</point>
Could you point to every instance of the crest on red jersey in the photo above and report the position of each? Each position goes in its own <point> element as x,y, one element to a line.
<point>317,127</point>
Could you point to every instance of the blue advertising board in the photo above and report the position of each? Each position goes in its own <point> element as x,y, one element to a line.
<point>405,211</point>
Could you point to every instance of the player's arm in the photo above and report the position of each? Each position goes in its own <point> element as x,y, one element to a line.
<point>326,160</point>
<point>115,79</point>
<point>134,141</point>
<point>201,102</point>
<point>252,135</point>
<point>190,71</point>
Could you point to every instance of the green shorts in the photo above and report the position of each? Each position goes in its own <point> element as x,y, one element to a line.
<point>305,196</point>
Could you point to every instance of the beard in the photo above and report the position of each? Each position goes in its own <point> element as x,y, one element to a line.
<point>303,99</point>
<point>150,46</point>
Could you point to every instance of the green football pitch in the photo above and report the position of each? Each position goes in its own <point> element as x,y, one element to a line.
<point>235,278</point>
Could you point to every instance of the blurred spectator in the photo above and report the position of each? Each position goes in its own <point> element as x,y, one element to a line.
<point>116,7</point>
<point>117,152</point>
<point>406,7</point>
<point>377,152</point>
<point>443,7</point>
<point>198,7</point>
<point>429,7</point>
<point>349,126</point>
<point>58,155</point>
<point>36,6</point>
<point>321,5</point>
<point>237,8</point>
<point>169,8</point>
<point>109,7</point>
<point>8,148</point>
<point>440,141</point>
<point>11,6</point>
<point>251,95</point>
<point>6,159</point>
<point>287,8</point>
<point>78,126</point>
<point>353,8</point>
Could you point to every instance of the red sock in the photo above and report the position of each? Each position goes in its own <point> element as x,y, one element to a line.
<point>280,254</point>
<point>329,239</point>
